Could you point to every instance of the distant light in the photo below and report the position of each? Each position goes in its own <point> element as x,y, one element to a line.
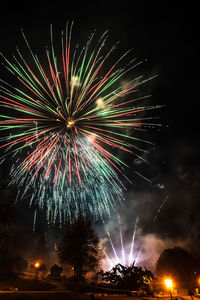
<point>37,264</point>
<point>168,283</point>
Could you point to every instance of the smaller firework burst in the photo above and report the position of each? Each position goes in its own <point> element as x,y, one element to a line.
<point>123,252</point>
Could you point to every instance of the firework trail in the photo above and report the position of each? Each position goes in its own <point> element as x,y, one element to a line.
<point>132,242</point>
<point>64,122</point>
<point>127,256</point>
<point>159,209</point>
<point>128,252</point>
<point>154,220</point>
<point>121,239</point>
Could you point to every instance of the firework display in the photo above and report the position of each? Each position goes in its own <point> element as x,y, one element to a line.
<point>124,253</point>
<point>63,123</point>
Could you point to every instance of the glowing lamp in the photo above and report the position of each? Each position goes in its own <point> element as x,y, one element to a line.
<point>37,265</point>
<point>168,283</point>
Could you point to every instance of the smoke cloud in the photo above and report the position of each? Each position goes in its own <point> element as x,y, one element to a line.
<point>168,207</point>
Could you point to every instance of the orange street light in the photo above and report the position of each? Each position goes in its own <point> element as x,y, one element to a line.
<point>37,265</point>
<point>169,284</point>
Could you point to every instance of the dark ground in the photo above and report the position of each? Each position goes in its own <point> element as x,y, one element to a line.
<point>44,295</point>
<point>70,295</point>
<point>26,284</point>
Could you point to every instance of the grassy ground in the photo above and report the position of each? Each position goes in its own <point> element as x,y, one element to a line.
<point>26,284</point>
<point>56,295</point>
<point>32,289</point>
<point>50,295</point>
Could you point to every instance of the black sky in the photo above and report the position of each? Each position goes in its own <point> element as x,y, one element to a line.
<point>167,36</point>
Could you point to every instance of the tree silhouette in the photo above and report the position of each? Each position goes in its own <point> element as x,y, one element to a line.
<point>40,249</point>
<point>10,240</point>
<point>20,263</point>
<point>43,270</point>
<point>129,278</point>
<point>79,247</point>
<point>180,265</point>
<point>55,271</point>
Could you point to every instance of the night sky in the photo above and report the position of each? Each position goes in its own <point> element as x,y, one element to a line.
<point>167,37</point>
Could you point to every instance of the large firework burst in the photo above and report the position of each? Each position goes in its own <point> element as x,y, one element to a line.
<point>63,122</point>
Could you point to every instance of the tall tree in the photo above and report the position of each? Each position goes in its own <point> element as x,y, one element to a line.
<point>79,247</point>
<point>180,265</point>
<point>41,250</point>
<point>12,239</point>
